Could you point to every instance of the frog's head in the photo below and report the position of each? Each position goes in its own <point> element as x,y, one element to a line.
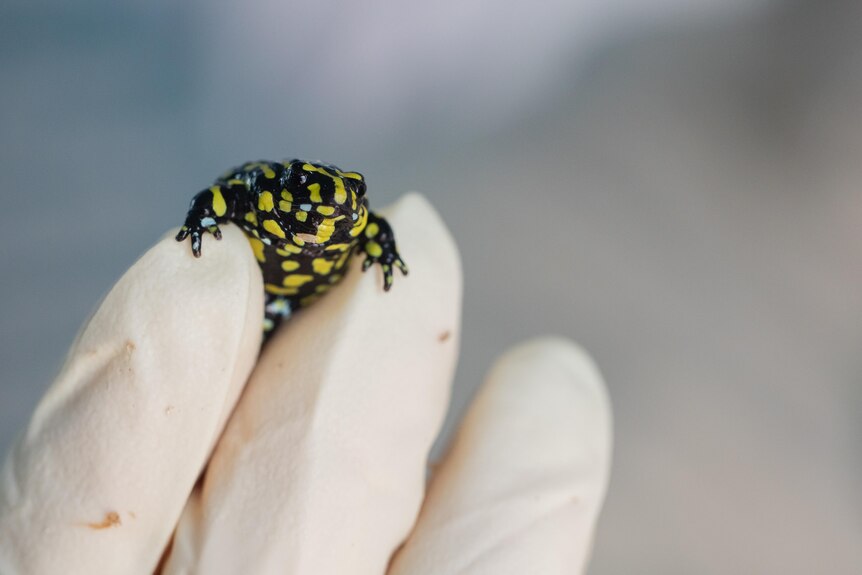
<point>322,204</point>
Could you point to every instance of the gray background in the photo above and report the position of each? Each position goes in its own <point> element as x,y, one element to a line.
<point>674,184</point>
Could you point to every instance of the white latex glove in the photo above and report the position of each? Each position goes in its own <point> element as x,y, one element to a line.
<point>318,464</point>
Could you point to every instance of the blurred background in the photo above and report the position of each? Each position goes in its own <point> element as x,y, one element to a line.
<point>675,184</point>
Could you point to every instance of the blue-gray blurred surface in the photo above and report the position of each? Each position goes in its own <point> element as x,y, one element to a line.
<point>675,184</point>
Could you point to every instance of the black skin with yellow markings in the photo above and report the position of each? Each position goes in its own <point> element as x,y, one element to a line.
<point>303,220</point>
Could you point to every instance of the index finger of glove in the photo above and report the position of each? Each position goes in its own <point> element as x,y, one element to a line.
<point>98,479</point>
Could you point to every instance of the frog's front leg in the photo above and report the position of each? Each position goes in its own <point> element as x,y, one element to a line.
<point>377,242</point>
<point>213,206</point>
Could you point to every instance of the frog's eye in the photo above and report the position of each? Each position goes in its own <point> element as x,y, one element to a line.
<point>358,186</point>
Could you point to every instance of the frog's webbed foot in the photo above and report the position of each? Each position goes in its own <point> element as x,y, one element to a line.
<point>195,226</point>
<point>378,245</point>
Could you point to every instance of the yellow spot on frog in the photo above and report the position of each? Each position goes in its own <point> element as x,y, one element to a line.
<point>373,249</point>
<point>322,266</point>
<point>290,265</point>
<point>328,223</point>
<point>251,218</point>
<point>371,230</point>
<point>287,250</point>
<point>296,280</point>
<point>324,231</point>
<point>314,190</point>
<point>272,227</point>
<point>285,206</point>
<point>340,192</point>
<point>287,196</point>
<point>278,290</point>
<point>325,210</point>
<point>301,216</point>
<point>257,249</point>
<point>219,205</point>
<point>265,202</point>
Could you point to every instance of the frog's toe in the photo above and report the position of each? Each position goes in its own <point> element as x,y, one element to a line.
<point>399,263</point>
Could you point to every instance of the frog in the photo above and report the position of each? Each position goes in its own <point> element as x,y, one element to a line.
<point>304,221</point>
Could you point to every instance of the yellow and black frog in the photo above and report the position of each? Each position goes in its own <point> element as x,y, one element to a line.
<point>303,220</point>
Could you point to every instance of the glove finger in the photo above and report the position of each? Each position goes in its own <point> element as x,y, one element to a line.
<point>523,483</point>
<point>98,479</point>
<point>321,468</point>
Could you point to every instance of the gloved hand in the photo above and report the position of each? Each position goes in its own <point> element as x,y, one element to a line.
<point>166,444</point>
